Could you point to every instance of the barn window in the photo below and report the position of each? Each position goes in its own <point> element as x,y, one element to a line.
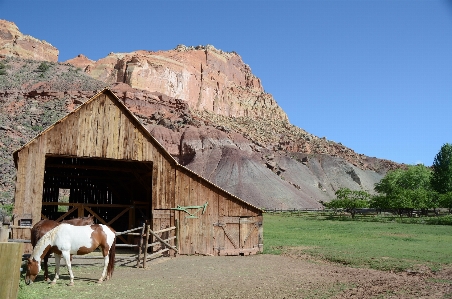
<point>63,196</point>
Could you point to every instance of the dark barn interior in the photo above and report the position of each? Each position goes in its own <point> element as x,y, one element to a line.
<point>117,192</point>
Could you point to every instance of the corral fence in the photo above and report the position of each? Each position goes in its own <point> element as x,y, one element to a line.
<point>159,242</point>
<point>165,241</point>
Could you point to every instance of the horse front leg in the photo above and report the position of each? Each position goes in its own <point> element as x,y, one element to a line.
<point>46,267</point>
<point>67,258</point>
<point>57,268</point>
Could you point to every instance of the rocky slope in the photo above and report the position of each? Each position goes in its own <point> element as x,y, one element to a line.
<point>207,110</point>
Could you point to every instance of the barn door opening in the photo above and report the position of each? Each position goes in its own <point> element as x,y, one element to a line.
<point>237,236</point>
<point>118,193</point>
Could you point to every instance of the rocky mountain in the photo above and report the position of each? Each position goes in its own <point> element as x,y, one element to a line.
<point>205,107</point>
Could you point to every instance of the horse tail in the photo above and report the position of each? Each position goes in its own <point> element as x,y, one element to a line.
<point>111,259</point>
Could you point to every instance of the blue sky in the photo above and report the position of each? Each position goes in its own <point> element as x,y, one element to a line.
<point>373,75</point>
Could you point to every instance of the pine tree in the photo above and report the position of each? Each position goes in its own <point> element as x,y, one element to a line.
<point>442,170</point>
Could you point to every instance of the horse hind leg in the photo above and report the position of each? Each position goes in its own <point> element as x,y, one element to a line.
<point>106,260</point>
<point>57,268</point>
<point>104,272</point>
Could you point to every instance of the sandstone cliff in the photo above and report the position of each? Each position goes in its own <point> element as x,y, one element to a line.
<point>204,77</point>
<point>14,43</point>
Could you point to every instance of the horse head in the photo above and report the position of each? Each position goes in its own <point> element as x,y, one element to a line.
<point>89,220</point>
<point>33,268</point>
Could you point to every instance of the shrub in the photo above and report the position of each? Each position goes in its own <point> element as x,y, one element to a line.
<point>43,67</point>
<point>2,68</point>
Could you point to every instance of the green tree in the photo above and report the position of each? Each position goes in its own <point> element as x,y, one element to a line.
<point>349,200</point>
<point>445,200</point>
<point>405,190</point>
<point>441,180</point>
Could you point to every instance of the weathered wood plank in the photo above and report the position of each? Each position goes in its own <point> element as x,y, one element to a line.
<point>99,127</point>
<point>10,259</point>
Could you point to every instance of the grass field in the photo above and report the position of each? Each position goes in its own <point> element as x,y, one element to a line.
<point>384,246</point>
<point>359,243</point>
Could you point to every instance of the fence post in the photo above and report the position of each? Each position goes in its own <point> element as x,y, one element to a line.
<point>176,234</point>
<point>10,261</point>
<point>148,227</point>
<point>140,244</point>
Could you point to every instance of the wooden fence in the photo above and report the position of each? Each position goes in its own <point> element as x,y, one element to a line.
<point>145,235</point>
<point>361,212</point>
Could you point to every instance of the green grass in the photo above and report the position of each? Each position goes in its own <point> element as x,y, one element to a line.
<point>41,289</point>
<point>384,246</point>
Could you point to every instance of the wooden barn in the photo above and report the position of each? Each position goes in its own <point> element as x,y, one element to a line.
<point>100,160</point>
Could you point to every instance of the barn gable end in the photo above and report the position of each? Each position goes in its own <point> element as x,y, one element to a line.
<point>104,161</point>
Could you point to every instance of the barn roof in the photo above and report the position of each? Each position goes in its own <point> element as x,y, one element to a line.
<point>143,130</point>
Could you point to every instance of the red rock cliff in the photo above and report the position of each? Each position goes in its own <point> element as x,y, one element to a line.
<point>14,43</point>
<point>206,78</point>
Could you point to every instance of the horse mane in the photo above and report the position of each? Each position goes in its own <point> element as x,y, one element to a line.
<point>44,242</point>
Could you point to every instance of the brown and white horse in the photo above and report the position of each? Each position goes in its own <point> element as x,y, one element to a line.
<point>43,226</point>
<point>66,239</point>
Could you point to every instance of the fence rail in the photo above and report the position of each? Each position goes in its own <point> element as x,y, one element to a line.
<point>165,243</point>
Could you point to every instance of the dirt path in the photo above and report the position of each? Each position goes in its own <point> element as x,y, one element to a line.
<point>259,276</point>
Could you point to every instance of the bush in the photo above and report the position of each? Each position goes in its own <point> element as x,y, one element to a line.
<point>2,68</point>
<point>6,210</point>
<point>43,67</point>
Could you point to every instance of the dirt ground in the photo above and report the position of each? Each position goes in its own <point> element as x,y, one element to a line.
<point>259,276</point>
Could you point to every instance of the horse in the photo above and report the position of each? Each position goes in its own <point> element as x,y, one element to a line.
<point>66,239</point>
<point>43,226</point>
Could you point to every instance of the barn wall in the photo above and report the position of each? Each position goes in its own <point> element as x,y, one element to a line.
<point>201,235</point>
<point>30,178</point>
<point>101,128</point>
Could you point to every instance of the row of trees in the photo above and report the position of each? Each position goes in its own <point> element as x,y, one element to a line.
<point>404,190</point>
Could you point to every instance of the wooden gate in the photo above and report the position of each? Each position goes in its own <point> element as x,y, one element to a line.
<point>237,236</point>
<point>161,220</point>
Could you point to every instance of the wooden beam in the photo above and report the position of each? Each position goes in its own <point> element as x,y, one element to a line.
<point>65,214</point>
<point>102,221</point>
<point>100,177</point>
<point>96,205</point>
<point>94,167</point>
<point>163,241</point>
<point>117,216</point>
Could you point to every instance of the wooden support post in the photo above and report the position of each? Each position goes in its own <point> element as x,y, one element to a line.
<point>10,261</point>
<point>140,245</point>
<point>148,227</point>
<point>4,233</point>
<point>131,222</point>
<point>80,211</point>
<point>176,234</point>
